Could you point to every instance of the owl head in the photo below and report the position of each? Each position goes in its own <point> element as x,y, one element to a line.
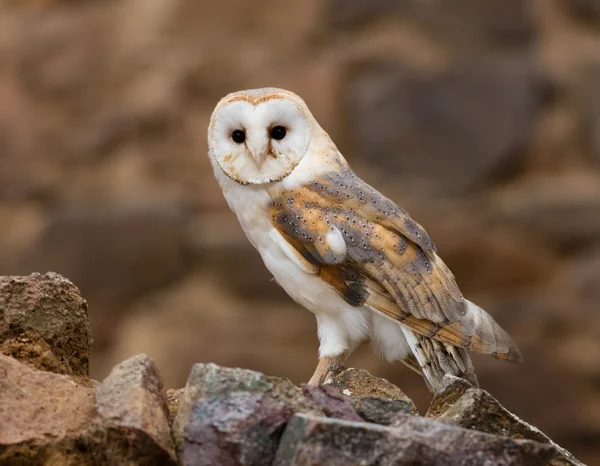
<point>259,136</point>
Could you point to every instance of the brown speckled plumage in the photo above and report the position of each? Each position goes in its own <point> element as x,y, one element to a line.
<point>390,263</point>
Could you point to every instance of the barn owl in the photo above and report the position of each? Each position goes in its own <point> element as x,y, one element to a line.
<point>340,248</point>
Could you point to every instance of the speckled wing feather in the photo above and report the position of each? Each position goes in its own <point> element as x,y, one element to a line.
<point>388,262</point>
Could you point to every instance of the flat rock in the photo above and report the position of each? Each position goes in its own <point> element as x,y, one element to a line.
<point>312,440</point>
<point>132,399</point>
<point>44,322</point>
<point>461,405</point>
<point>234,416</point>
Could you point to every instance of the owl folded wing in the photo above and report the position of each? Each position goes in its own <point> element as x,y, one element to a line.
<point>375,256</point>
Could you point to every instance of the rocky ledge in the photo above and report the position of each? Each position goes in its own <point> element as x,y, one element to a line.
<point>51,412</point>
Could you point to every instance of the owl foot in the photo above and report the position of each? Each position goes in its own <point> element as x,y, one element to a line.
<point>328,367</point>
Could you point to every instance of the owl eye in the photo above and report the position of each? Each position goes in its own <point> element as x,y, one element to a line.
<point>278,133</point>
<point>238,136</point>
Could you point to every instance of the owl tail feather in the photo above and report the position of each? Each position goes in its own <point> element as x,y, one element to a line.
<point>434,360</point>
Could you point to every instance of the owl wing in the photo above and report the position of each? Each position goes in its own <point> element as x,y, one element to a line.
<point>374,255</point>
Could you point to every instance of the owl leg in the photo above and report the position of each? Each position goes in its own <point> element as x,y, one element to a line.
<point>333,350</point>
<point>328,366</point>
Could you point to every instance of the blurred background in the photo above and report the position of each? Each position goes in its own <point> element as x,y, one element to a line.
<point>481,118</point>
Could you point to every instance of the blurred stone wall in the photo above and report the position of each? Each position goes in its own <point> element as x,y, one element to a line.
<point>481,118</point>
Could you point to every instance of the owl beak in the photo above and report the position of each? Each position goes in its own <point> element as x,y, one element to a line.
<point>259,155</point>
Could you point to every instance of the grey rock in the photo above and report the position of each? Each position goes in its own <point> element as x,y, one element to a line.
<point>312,440</point>
<point>224,410</point>
<point>473,408</point>
<point>454,130</point>
<point>333,402</point>
<point>44,322</point>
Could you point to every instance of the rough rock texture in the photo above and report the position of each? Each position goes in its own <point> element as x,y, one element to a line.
<point>44,321</point>
<point>36,405</point>
<point>48,418</point>
<point>173,401</point>
<point>473,408</point>
<point>375,399</point>
<point>234,416</point>
<point>356,395</point>
<point>131,402</point>
<point>311,440</point>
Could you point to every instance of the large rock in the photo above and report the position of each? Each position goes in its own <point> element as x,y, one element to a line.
<point>48,418</point>
<point>44,322</point>
<point>434,129</point>
<point>461,405</point>
<point>312,440</point>
<point>234,416</point>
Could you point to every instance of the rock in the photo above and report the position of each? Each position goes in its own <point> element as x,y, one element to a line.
<point>48,418</point>
<point>44,322</point>
<point>359,382</point>
<point>173,400</point>
<point>333,402</point>
<point>374,399</point>
<point>452,389</point>
<point>435,129</point>
<point>131,401</point>
<point>38,407</point>
<point>311,440</point>
<point>473,408</point>
<point>234,416</point>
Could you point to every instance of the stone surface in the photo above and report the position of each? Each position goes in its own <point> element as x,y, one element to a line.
<point>173,401</point>
<point>36,406</point>
<point>311,440</point>
<point>433,127</point>
<point>374,399</point>
<point>132,398</point>
<point>459,404</point>
<point>48,418</point>
<point>452,389</point>
<point>44,322</point>
<point>234,416</point>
